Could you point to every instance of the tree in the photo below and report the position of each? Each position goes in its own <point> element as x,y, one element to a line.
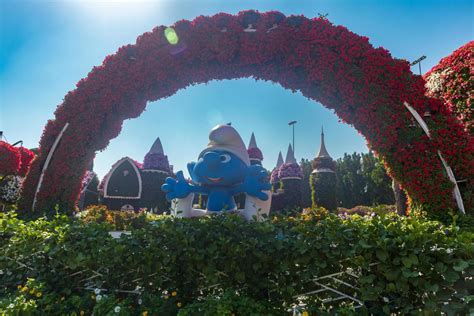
<point>378,185</point>
<point>362,180</point>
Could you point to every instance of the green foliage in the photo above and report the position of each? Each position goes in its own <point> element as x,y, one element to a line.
<point>118,220</point>
<point>362,180</point>
<point>323,190</point>
<point>292,196</point>
<point>228,304</point>
<point>224,264</point>
<point>153,198</point>
<point>306,167</point>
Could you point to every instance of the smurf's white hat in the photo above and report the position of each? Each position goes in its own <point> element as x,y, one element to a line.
<point>225,137</point>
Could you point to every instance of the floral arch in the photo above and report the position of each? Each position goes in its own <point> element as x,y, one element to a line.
<point>365,87</point>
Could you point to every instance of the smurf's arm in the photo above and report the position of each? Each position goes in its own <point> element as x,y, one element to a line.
<point>179,188</point>
<point>254,183</point>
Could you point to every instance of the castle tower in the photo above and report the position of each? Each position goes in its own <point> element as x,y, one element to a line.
<point>274,178</point>
<point>89,194</point>
<point>156,160</point>
<point>291,176</point>
<point>255,154</point>
<point>156,169</point>
<point>323,178</point>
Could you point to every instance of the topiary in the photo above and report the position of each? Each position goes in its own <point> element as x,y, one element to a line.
<point>323,190</point>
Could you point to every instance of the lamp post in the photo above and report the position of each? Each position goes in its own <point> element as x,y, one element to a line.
<point>418,61</point>
<point>292,123</point>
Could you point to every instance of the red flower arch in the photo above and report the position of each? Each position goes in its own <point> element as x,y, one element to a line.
<point>364,85</point>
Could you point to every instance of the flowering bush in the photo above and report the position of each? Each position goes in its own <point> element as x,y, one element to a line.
<point>156,161</point>
<point>87,179</point>
<point>274,178</point>
<point>290,170</point>
<point>9,159</point>
<point>324,162</point>
<point>451,82</point>
<point>366,211</point>
<point>365,86</point>
<point>118,220</point>
<point>255,153</point>
<point>10,189</point>
<point>26,156</point>
<point>223,262</point>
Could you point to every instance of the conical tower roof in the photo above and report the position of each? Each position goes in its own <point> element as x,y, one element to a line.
<point>290,156</point>
<point>156,148</point>
<point>322,150</point>
<point>155,159</point>
<point>280,160</point>
<point>253,142</point>
<point>255,154</point>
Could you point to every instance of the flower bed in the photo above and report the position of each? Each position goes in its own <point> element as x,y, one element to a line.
<point>365,86</point>
<point>179,266</point>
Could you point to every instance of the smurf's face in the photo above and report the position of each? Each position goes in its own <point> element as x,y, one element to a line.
<point>217,168</point>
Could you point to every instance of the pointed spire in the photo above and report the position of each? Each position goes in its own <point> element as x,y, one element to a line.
<point>280,160</point>
<point>322,150</point>
<point>156,148</point>
<point>290,156</point>
<point>253,142</point>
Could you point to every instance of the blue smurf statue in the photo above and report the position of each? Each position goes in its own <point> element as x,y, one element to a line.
<point>223,170</point>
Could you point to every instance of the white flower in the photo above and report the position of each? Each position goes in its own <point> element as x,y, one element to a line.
<point>117,309</point>
<point>97,291</point>
<point>98,298</point>
<point>10,188</point>
<point>1,272</point>
<point>385,299</point>
<point>140,301</point>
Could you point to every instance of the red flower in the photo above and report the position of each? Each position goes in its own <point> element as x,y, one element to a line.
<point>9,159</point>
<point>26,158</point>
<point>364,86</point>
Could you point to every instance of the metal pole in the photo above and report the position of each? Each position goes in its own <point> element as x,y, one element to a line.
<point>293,138</point>
<point>46,163</point>
<point>449,171</point>
<point>293,123</point>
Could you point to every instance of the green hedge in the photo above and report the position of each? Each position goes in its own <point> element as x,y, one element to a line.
<point>223,265</point>
<point>323,190</point>
<point>292,195</point>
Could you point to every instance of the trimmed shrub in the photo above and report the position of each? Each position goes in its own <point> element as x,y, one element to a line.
<point>171,266</point>
<point>153,198</point>
<point>323,190</point>
<point>292,195</point>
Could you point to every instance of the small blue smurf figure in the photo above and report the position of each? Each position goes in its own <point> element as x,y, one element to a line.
<point>222,171</point>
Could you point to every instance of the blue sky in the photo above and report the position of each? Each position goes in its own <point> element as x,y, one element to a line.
<point>48,46</point>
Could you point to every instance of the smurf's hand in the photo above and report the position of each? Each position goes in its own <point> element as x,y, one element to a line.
<point>256,181</point>
<point>177,188</point>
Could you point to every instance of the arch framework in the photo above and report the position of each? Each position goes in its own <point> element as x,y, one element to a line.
<point>364,86</point>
